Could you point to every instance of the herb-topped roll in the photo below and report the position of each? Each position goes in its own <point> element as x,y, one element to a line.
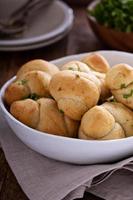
<point>120,81</point>
<point>44,116</point>
<point>37,65</point>
<point>107,121</point>
<point>32,81</point>
<point>96,62</point>
<point>75,92</point>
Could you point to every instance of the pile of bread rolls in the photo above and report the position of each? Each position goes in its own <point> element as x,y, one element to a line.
<point>85,99</point>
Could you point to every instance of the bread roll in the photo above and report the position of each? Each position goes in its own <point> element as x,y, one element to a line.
<point>105,91</point>
<point>76,65</point>
<point>32,79</point>
<point>97,122</point>
<point>96,62</point>
<point>26,111</point>
<point>119,80</point>
<point>44,116</point>
<point>82,67</point>
<point>75,92</point>
<point>107,121</point>
<point>37,65</point>
<point>122,115</point>
<point>34,83</point>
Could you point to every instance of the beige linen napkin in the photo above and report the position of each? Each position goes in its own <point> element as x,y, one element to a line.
<point>42,178</point>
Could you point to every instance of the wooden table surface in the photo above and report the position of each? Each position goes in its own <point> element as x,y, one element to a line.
<point>80,39</point>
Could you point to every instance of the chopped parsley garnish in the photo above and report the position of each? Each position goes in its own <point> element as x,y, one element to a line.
<point>61,111</point>
<point>70,68</point>
<point>126,96</point>
<point>33,96</point>
<point>123,85</point>
<point>22,82</point>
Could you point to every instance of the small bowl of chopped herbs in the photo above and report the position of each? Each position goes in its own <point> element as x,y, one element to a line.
<point>112,21</point>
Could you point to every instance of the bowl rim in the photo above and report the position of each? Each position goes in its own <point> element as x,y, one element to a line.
<point>56,137</point>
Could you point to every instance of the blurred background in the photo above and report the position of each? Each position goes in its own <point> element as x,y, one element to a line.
<point>32,24</point>
<point>52,29</point>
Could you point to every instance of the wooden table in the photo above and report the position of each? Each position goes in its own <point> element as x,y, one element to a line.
<point>80,39</point>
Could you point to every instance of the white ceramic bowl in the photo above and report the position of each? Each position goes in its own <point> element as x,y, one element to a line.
<point>68,149</point>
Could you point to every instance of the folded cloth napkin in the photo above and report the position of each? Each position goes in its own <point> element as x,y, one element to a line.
<point>42,178</point>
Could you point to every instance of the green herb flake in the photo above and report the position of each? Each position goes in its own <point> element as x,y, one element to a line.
<point>126,96</point>
<point>123,85</point>
<point>61,111</point>
<point>70,68</point>
<point>22,82</point>
<point>33,96</point>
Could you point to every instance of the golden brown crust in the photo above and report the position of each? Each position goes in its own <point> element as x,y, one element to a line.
<point>37,65</point>
<point>120,80</point>
<point>15,91</point>
<point>82,67</point>
<point>96,62</point>
<point>105,91</point>
<point>116,133</point>
<point>124,95</point>
<point>97,122</point>
<point>26,111</point>
<point>119,76</point>
<point>32,77</point>
<point>75,92</point>
<point>44,116</point>
<point>122,115</point>
<point>107,121</point>
<point>33,82</point>
<point>38,82</point>
<point>71,126</point>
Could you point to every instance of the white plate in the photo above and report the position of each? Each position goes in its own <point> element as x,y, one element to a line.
<point>68,149</point>
<point>35,45</point>
<point>48,24</point>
